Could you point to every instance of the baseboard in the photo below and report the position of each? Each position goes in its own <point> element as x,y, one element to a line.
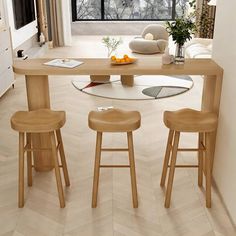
<point>30,43</point>
<point>31,48</point>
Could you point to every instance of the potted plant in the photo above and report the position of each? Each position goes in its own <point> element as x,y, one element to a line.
<point>111,44</point>
<point>181,31</point>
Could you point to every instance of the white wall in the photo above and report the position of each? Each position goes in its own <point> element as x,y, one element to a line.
<point>110,28</point>
<point>224,53</point>
<point>23,34</point>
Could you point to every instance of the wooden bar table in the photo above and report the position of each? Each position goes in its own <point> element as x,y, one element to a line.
<point>36,76</point>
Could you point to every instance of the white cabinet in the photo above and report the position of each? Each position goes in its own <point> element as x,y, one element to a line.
<point>6,61</point>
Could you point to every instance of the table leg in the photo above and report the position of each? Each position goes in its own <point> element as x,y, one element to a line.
<point>127,80</point>
<point>211,102</point>
<point>100,78</point>
<point>38,97</point>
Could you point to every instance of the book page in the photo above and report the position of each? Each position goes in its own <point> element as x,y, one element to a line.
<point>66,63</point>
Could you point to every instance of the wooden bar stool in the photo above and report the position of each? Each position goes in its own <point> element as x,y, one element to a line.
<point>188,120</point>
<point>114,120</point>
<point>40,121</point>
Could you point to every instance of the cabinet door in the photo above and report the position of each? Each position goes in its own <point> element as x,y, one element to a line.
<point>5,41</point>
<point>6,73</point>
<point>2,84</point>
<point>5,60</point>
<point>6,80</point>
<point>9,78</point>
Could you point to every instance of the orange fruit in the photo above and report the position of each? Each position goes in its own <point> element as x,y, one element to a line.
<point>113,58</point>
<point>131,59</point>
<point>125,56</point>
<point>122,60</point>
<point>118,60</point>
<point>127,59</point>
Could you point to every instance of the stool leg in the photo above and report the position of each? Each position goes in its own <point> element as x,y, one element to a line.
<point>200,159</point>
<point>29,160</point>
<point>57,170</point>
<point>167,157</point>
<point>21,170</point>
<point>96,169</point>
<point>63,158</point>
<point>132,169</point>
<point>172,169</point>
<point>208,172</point>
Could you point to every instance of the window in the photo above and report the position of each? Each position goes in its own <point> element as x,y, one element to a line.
<point>85,10</point>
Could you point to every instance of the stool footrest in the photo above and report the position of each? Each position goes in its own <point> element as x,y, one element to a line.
<point>28,149</point>
<point>34,166</point>
<point>36,149</point>
<point>114,166</point>
<point>188,166</point>
<point>114,149</point>
<point>190,149</point>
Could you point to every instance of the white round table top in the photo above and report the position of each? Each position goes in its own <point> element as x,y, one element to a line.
<point>145,87</point>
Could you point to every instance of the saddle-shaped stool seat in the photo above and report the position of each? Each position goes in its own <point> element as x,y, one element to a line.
<point>189,120</point>
<point>114,120</point>
<point>38,122</point>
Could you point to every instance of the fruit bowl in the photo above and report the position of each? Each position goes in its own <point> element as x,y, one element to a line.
<point>122,61</point>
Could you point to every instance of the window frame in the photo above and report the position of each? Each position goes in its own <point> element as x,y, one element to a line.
<point>75,19</point>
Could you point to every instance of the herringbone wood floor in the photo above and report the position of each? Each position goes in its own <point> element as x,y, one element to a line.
<point>114,214</point>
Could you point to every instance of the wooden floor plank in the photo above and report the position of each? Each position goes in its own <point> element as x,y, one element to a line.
<point>114,214</point>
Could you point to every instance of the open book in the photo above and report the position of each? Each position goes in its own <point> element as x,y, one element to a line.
<point>67,63</point>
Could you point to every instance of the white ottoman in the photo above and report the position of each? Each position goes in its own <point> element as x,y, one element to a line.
<point>146,46</point>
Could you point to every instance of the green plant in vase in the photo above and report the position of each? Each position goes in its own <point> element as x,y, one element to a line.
<point>111,44</point>
<point>181,31</point>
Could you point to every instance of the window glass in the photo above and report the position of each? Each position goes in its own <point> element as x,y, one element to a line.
<point>138,9</point>
<point>128,9</point>
<point>88,9</point>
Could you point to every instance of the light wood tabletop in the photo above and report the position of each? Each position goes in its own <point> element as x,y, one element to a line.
<point>99,66</point>
<point>38,93</point>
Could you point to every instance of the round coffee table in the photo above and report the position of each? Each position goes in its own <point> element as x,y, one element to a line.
<point>144,87</point>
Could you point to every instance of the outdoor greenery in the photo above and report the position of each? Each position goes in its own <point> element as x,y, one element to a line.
<point>205,19</point>
<point>130,9</point>
<point>206,22</point>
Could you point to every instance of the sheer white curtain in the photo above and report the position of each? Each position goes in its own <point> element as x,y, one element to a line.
<point>60,18</point>
<point>66,20</point>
